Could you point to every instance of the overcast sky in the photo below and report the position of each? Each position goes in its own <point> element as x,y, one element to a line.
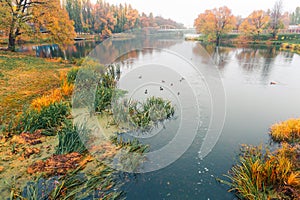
<point>185,11</point>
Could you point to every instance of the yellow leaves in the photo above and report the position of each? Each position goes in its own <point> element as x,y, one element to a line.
<point>46,100</point>
<point>216,21</point>
<point>294,179</point>
<point>56,95</point>
<point>255,23</point>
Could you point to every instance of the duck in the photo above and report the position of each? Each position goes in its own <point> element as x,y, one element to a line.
<point>146,91</point>
<point>161,89</point>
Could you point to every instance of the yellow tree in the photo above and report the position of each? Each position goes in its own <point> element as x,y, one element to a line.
<point>255,23</point>
<point>28,17</point>
<point>214,23</point>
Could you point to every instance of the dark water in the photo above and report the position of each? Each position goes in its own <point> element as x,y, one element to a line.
<point>78,50</point>
<point>252,106</point>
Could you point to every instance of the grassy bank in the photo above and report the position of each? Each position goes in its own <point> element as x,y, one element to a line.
<point>42,153</point>
<point>263,39</point>
<point>24,78</point>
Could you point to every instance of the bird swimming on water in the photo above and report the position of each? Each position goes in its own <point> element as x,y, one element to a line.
<point>146,91</point>
<point>161,89</point>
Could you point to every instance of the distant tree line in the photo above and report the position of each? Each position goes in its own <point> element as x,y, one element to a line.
<point>218,21</point>
<point>104,18</point>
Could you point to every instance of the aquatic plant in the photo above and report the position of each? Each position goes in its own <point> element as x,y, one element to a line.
<point>99,184</point>
<point>46,119</point>
<point>143,115</point>
<point>264,175</point>
<point>287,131</point>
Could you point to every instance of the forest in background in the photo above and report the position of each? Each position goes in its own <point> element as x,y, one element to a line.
<point>104,18</point>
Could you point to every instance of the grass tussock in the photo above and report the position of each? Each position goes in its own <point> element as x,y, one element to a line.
<point>143,115</point>
<point>48,118</point>
<point>287,131</point>
<point>264,175</point>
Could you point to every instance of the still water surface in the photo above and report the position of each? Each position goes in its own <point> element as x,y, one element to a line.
<point>252,106</point>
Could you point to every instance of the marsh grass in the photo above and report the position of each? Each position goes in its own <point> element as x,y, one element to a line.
<point>99,184</point>
<point>70,140</point>
<point>143,115</point>
<point>262,174</point>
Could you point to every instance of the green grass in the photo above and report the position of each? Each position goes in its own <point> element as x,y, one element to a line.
<point>70,140</point>
<point>47,119</point>
<point>143,115</point>
<point>24,78</point>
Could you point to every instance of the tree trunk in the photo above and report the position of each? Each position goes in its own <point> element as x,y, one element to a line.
<point>12,42</point>
<point>218,40</point>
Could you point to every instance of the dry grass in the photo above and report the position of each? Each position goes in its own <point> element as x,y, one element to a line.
<point>266,175</point>
<point>287,131</point>
<point>22,79</point>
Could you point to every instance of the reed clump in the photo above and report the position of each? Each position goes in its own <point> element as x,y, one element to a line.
<point>262,174</point>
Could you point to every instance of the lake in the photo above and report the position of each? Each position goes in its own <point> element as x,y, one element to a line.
<point>249,104</point>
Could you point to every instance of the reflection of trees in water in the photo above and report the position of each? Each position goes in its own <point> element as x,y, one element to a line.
<point>78,50</point>
<point>288,56</point>
<point>253,59</point>
<point>128,50</point>
<point>219,55</point>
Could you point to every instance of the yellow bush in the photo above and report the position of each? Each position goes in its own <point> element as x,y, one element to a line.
<point>46,100</point>
<point>288,131</point>
<point>67,89</point>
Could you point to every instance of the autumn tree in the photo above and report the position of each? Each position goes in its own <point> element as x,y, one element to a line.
<point>255,23</point>
<point>214,23</point>
<point>276,18</point>
<point>28,17</point>
<point>104,18</point>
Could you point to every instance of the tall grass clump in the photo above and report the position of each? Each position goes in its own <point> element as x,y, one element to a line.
<point>47,118</point>
<point>69,139</point>
<point>264,175</point>
<point>287,131</point>
<point>143,115</point>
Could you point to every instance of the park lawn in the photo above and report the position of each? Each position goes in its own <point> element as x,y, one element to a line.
<point>23,78</point>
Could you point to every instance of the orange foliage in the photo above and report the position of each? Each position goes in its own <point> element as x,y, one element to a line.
<point>215,22</point>
<point>255,23</point>
<point>46,100</point>
<point>286,131</point>
<point>56,95</point>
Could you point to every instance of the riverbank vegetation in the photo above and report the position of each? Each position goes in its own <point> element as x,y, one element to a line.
<point>42,151</point>
<point>265,174</point>
<point>268,27</point>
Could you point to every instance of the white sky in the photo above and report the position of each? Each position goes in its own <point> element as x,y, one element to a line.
<point>185,11</point>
